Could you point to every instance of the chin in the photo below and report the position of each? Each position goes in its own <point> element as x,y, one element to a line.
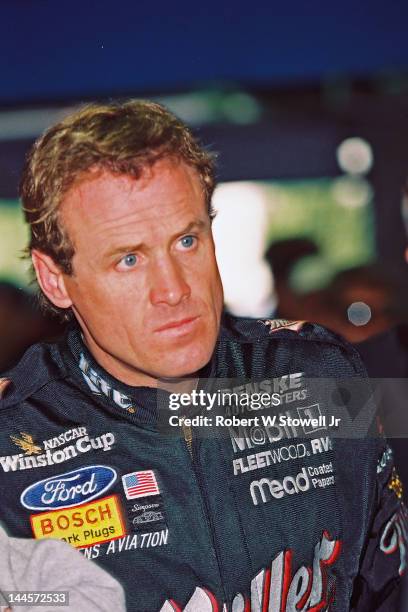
<point>186,364</point>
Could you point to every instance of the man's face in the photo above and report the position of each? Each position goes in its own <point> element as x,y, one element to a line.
<point>145,286</point>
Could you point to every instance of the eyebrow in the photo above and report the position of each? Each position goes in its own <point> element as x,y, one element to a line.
<point>194,225</point>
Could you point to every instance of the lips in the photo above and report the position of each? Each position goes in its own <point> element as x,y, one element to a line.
<point>182,325</point>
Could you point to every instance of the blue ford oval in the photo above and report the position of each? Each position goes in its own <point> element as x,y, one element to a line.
<point>69,489</point>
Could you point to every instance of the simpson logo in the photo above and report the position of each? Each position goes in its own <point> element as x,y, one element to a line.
<point>140,484</point>
<point>69,489</point>
<point>148,517</point>
<point>36,457</point>
<point>275,589</point>
<point>145,515</point>
<point>93,523</point>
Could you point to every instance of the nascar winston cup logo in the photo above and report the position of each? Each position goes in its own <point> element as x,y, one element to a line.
<point>58,449</point>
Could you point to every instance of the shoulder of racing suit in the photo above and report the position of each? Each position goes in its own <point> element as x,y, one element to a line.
<point>272,332</point>
<point>40,365</point>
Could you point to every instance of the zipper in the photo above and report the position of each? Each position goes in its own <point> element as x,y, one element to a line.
<point>188,438</point>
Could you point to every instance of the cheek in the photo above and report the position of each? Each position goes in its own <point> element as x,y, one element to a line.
<point>205,274</point>
<point>102,299</point>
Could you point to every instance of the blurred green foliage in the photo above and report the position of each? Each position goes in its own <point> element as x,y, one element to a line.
<point>309,209</point>
<point>306,209</point>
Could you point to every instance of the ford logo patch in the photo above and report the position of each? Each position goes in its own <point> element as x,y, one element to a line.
<point>69,489</point>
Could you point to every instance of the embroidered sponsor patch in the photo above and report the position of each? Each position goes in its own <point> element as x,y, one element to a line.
<point>395,484</point>
<point>63,447</point>
<point>148,539</point>
<point>4,384</point>
<point>266,490</point>
<point>69,489</point>
<point>145,514</point>
<point>282,454</point>
<point>99,386</point>
<point>385,459</point>
<point>278,588</point>
<point>93,523</point>
<point>140,484</point>
<point>395,538</point>
<point>276,324</point>
<point>27,444</point>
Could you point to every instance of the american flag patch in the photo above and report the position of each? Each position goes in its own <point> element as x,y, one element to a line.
<point>140,484</point>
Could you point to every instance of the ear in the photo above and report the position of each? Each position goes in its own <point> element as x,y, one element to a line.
<point>51,279</point>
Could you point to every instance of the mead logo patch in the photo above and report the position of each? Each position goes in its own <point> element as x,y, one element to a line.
<point>69,489</point>
<point>266,489</point>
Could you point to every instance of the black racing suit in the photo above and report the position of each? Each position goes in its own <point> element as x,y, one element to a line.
<point>279,515</point>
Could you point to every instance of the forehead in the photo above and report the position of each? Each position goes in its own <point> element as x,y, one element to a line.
<point>163,192</point>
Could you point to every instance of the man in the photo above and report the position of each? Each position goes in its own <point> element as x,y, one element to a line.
<point>263,515</point>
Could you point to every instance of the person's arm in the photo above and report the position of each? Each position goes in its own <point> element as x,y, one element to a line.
<point>53,565</point>
<point>383,561</point>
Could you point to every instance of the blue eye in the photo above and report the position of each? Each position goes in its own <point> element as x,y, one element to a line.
<point>187,241</point>
<point>129,261</point>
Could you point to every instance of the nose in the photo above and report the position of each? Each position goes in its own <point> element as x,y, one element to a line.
<point>168,285</point>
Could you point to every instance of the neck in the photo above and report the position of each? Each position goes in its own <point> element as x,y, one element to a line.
<point>132,377</point>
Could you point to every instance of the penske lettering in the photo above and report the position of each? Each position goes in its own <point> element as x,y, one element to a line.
<point>280,385</point>
<point>92,523</point>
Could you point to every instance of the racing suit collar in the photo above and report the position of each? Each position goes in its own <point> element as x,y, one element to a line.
<point>141,404</point>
